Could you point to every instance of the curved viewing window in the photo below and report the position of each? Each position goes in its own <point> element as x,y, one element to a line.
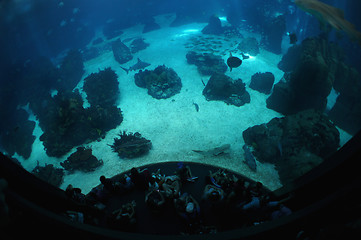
<point>96,88</point>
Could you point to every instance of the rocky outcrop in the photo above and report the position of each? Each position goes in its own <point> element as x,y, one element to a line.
<point>273,32</point>
<point>295,143</point>
<point>222,88</point>
<point>308,80</point>
<point>214,26</point>
<point>262,82</point>
<point>162,82</point>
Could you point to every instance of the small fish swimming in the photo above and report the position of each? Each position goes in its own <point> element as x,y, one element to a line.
<point>233,62</point>
<point>196,106</point>
<point>139,65</point>
<point>250,159</point>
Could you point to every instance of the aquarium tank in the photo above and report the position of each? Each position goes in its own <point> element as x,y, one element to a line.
<point>198,108</point>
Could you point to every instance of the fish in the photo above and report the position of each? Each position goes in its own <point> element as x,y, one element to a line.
<point>250,159</point>
<point>196,106</point>
<point>328,14</point>
<point>233,62</point>
<point>217,151</point>
<point>139,65</point>
<point>293,38</point>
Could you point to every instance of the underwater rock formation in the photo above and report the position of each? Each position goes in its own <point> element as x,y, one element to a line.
<point>81,160</point>
<point>67,124</point>
<point>131,145</point>
<point>223,88</point>
<point>16,133</point>
<point>162,82</point>
<point>71,70</point>
<point>273,32</point>
<point>137,45</point>
<point>49,174</point>
<point>207,63</point>
<point>308,80</point>
<point>214,26</point>
<point>262,82</point>
<point>121,52</point>
<point>295,143</point>
<point>346,113</point>
<point>249,45</point>
<point>312,69</point>
<point>102,88</point>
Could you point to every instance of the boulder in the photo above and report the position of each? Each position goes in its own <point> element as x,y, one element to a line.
<point>222,88</point>
<point>214,26</point>
<point>295,143</point>
<point>262,82</point>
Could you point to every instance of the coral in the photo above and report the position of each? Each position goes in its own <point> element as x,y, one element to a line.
<point>295,143</point>
<point>249,46</point>
<point>222,87</point>
<point>121,52</point>
<point>131,145</point>
<point>162,82</point>
<point>102,88</point>
<point>67,124</point>
<point>49,174</point>
<point>207,63</point>
<point>262,82</point>
<point>82,160</point>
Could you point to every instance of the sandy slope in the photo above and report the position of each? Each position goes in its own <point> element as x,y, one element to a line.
<point>173,125</point>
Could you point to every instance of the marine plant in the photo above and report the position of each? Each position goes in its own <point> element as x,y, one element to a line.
<point>131,145</point>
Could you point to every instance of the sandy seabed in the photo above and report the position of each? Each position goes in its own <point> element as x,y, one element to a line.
<point>173,125</point>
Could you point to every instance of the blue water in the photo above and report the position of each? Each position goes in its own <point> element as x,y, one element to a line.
<point>35,37</point>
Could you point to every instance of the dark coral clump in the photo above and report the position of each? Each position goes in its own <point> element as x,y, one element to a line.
<point>162,82</point>
<point>81,160</point>
<point>102,88</point>
<point>49,174</point>
<point>207,63</point>
<point>223,88</point>
<point>131,145</point>
<point>295,143</point>
<point>67,124</point>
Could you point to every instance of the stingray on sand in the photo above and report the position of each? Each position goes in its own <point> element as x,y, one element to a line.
<point>139,65</point>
